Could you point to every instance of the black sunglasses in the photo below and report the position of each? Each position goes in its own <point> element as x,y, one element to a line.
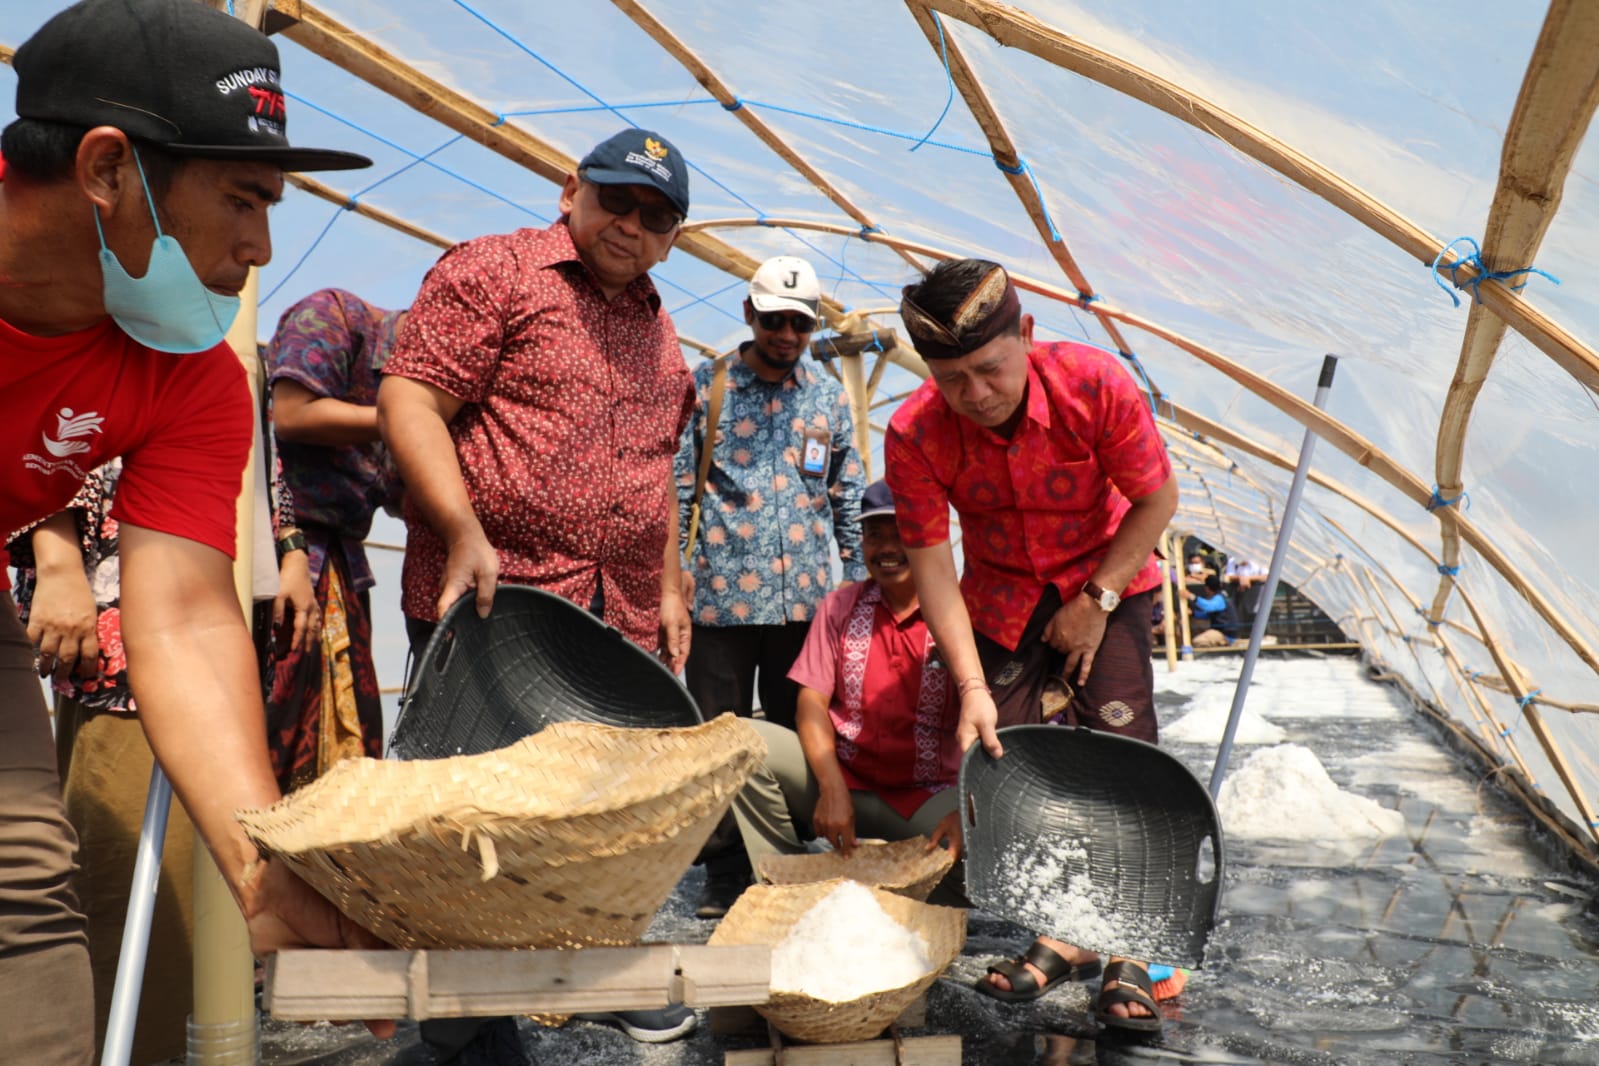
<point>774,321</point>
<point>655,217</point>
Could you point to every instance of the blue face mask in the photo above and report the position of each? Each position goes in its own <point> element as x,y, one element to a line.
<point>168,309</point>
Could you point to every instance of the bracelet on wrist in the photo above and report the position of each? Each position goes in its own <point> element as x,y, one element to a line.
<point>292,541</point>
<point>972,684</point>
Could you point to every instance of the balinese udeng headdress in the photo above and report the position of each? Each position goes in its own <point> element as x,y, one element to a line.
<point>989,310</point>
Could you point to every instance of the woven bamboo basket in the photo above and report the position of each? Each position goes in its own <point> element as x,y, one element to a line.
<point>905,867</point>
<point>764,914</point>
<point>571,837</point>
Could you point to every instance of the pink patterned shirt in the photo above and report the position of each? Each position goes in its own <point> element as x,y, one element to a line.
<point>573,409</point>
<point>893,707</point>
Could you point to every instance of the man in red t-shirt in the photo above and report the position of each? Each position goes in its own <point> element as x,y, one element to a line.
<point>134,191</point>
<point>873,750</point>
<point>534,404</point>
<point>1050,456</point>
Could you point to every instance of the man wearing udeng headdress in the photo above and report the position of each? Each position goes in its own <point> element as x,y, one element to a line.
<point>1049,455</point>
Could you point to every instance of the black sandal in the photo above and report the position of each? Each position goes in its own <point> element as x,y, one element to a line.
<point>1024,986</point>
<point>1128,982</point>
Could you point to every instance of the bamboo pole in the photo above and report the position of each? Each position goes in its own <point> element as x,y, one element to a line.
<point>1553,111</point>
<point>852,369</point>
<point>394,222</point>
<point>731,102</point>
<point>1352,444</point>
<point>325,36</point>
<point>1167,576</point>
<point>1006,156</point>
<point>223,1029</point>
<point>1017,29</point>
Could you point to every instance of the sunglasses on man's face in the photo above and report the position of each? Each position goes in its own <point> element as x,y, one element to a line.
<point>774,321</point>
<point>655,217</point>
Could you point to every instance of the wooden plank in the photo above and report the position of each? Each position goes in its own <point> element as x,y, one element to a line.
<point>913,1051</point>
<point>320,985</point>
<point>722,976</point>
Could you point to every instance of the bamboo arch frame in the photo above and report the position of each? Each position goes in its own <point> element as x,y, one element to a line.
<point>1352,444</point>
<point>325,37</point>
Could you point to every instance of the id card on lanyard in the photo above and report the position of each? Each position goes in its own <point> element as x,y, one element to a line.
<point>818,449</point>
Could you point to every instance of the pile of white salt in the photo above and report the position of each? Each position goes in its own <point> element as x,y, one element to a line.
<point>1284,793</point>
<point>845,947</point>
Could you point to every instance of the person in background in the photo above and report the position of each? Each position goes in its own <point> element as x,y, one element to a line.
<point>1050,456</point>
<point>323,367</point>
<point>68,592</point>
<point>873,753</point>
<point>1248,581</point>
<point>533,406</point>
<point>134,186</point>
<point>782,488</point>
<point>1214,610</point>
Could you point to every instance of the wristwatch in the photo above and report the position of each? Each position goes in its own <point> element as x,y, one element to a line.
<point>292,541</point>
<point>1104,599</point>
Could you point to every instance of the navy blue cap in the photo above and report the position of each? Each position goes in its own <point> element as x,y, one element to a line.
<point>639,157</point>
<point>877,500</point>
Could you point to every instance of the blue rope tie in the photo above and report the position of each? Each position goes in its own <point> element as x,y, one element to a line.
<point>1529,698</point>
<point>1438,501</point>
<point>1429,620</point>
<point>1474,260</point>
<point>1505,734</point>
<point>1018,170</point>
<point>352,203</point>
<point>1086,298</point>
<point>1449,571</point>
<point>738,102</point>
<point>1186,649</point>
<point>949,76</point>
<point>867,231</point>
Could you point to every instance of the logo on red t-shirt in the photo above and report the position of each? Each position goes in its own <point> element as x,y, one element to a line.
<point>69,427</point>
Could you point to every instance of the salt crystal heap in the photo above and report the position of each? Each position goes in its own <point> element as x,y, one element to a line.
<point>1284,793</point>
<point>845,947</point>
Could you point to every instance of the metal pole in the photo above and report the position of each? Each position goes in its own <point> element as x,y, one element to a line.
<point>136,927</point>
<point>1285,533</point>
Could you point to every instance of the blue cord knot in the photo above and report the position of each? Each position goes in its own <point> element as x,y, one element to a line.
<point>352,203</point>
<point>1016,171</point>
<point>1086,298</point>
<point>738,102</point>
<point>866,231</point>
<point>1529,697</point>
<point>1474,260</point>
<point>1430,621</point>
<point>1449,571</point>
<point>1438,501</point>
<point>499,120</point>
<point>1186,649</point>
<point>1505,732</point>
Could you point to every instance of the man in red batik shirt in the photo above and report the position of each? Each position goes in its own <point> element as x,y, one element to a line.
<point>533,407</point>
<point>534,404</point>
<point>1050,457</point>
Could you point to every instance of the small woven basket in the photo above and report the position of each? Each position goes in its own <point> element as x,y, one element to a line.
<point>765,914</point>
<point>571,837</point>
<point>905,867</point>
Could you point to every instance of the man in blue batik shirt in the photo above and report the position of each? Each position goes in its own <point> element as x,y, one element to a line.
<point>783,487</point>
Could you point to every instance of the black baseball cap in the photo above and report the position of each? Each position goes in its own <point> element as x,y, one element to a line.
<point>639,157</point>
<point>176,73</point>
<point>877,500</point>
